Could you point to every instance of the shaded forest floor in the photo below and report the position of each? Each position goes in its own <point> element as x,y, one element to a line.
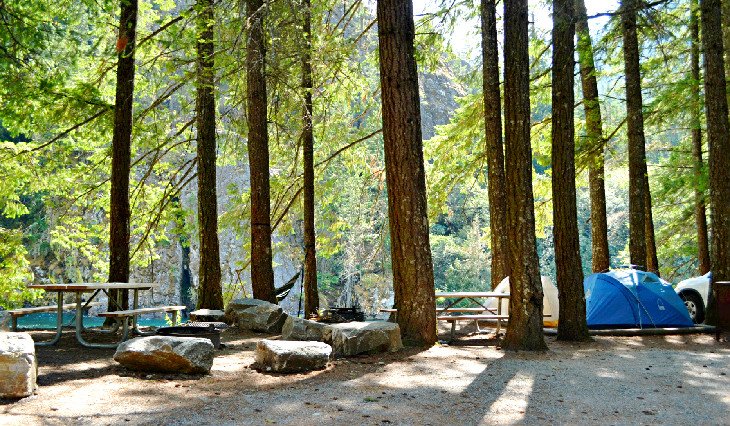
<point>612,380</point>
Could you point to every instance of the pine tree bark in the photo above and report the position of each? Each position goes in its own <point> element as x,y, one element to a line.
<point>525,323</point>
<point>262,272</point>
<point>636,140</point>
<point>210,293</point>
<point>311,295</point>
<point>726,37</point>
<point>703,246</point>
<point>405,175</point>
<point>569,272</point>
<point>119,212</point>
<point>652,261</point>
<point>596,142</point>
<point>716,110</point>
<point>494,146</point>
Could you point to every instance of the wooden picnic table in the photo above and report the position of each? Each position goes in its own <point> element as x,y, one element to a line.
<point>476,297</point>
<point>95,288</point>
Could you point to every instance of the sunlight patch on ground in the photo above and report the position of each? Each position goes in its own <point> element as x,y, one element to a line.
<point>511,406</point>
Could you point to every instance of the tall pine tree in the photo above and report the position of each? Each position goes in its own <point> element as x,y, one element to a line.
<point>405,174</point>
<point>262,272</point>
<point>119,212</point>
<point>210,294</point>
<point>572,325</point>
<point>703,246</point>
<point>493,146</point>
<point>716,110</point>
<point>595,142</point>
<point>311,295</point>
<point>525,303</point>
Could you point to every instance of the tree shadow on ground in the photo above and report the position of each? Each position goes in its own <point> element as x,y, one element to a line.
<point>608,380</point>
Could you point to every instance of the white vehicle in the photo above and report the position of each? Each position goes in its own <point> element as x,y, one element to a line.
<point>694,292</point>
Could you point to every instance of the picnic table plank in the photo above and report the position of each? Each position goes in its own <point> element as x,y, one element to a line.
<point>68,306</point>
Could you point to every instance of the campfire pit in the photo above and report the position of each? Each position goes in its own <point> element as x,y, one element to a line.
<point>210,332</point>
<point>339,315</point>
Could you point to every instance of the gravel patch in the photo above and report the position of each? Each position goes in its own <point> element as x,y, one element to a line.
<point>611,380</point>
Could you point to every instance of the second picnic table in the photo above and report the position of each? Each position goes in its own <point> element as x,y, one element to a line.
<point>445,313</point>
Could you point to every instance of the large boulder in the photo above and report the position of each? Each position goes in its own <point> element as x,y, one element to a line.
<point>18,365</point>
<point>302,329</point>
<point>352,338</point>
<point>281,356</point>
<point>166,354</point>
<point>256,315</point>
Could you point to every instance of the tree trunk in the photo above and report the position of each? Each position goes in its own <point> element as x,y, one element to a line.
<point>262,272</point>
<point>210,294</point>
<point>703,246</point>
<point>569,271</point>
<point>407,211</point>
<point>119,211</point>
<point>525,323</point>
<point>716,110</point>
<point>726,37</point>
<point>311,295</point>
<point>596,144</point>
<point>494,147</point>
<point>652,262</point>
<point>636,141</point>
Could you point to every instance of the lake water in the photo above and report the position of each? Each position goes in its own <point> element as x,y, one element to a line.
<point>48,320</point>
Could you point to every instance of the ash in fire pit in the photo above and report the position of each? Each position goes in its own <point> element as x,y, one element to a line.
<point>338,315</point>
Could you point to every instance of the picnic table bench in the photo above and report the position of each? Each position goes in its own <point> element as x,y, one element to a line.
<point>21,312</point>
<point>127,314</point>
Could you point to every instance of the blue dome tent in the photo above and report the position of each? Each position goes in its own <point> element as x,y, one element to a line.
<point>632,299</point>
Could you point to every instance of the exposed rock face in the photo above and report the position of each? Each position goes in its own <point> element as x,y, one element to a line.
<point>302,329</point>
<point>280,356</point>
<point>256,315</point>
<point>354,338</point>
<point>166,354</point>
<point>5,321</point>
<point>18,365</point>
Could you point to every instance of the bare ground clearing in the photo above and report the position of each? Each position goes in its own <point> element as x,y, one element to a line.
<point>612,380</point>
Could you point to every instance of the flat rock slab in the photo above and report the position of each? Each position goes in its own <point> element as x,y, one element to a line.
<point>256,315</point>
<point>18,365</point>
<point>353,338</point>
<point>206,315</point>
<point>282,356</point>
<point>166,354</point>
<point>302,329</point>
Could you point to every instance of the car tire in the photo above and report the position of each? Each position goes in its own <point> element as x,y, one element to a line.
<point>694,305</point>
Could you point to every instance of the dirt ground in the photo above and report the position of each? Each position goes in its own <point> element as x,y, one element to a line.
<point>612,380</point>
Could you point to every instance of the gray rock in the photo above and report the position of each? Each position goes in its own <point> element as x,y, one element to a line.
<point>303,329</point>
<point>208,315</point>
<point>256,315</point>
<point>282,356</point>
<point>166,354</point>
<point>354,338</point>
<point>5,321</point>
<point>18,365</point>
